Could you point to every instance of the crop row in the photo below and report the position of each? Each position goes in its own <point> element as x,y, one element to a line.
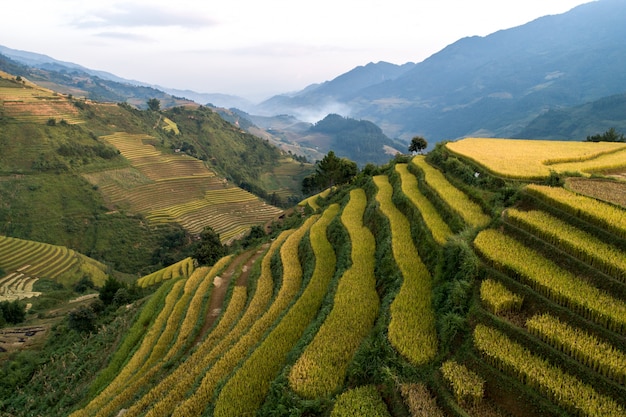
<point>138,359</point>
<point>162,194</point>
<point>180,269</point>
<point>502,157</point>
<point>44,260</point>
<point>232,356</point>
<point>246,389</point>
<point>607,216</point>
<point>312,200</point>
<point>161,398</point>
<point>456,199</point>
<point>226,219</point>
<point>322,367</point>
<point>361,401</point>
<point>547,278</point>
<point>412,327</point>
<point>564,389</point>
<point>498,298</point>
<point>587,349</point>
<point>438,228</point>
<point>179,332</point>
<point>572,240</point>
<point>467,386</point>
<point>172,391</point>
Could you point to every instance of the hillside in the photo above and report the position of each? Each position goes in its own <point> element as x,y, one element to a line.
<point>120,184</point>
<point>576,123</point>
<point>438,282</point>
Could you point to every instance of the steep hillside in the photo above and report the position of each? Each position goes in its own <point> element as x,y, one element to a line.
<point>576,123</point>
<point>432,284</point>
<point>119,184</point>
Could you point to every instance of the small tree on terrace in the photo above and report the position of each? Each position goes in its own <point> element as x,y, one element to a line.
<point>418,144</point>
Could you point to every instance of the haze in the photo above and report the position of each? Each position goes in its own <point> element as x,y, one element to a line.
<point>249,48</point>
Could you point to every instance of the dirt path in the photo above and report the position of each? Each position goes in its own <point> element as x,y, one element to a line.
<point>221,284</point>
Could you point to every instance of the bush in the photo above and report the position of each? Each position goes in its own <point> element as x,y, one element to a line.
<point>82,319</point>
<point>13,312</point>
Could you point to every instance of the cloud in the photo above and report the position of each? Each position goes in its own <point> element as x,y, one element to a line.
<point>124,36</point>
<point>139,15</point>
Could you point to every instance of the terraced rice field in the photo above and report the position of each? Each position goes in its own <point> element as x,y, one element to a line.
<point>38,105</point>
<point>178,188</point>
<point>535,159</point>
<point>27,261</point>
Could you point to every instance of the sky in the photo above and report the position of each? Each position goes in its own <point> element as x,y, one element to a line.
<point>253,48</point>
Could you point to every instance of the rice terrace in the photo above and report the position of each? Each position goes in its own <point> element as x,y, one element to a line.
<point>486,277</point>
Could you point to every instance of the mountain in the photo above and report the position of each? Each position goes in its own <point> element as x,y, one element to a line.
<point>78,81</point>
<point>576,123</point>
<point>316,101</point>
<point>493,85</point>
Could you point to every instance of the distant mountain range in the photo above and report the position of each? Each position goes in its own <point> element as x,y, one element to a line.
<point>507,84</point>
<point>484,86</point>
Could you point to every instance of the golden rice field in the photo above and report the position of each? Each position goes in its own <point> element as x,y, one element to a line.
<point>31,103</point>
<point>27,261</point>
<point>178,188</point>
<point>304,337</point>
<point>535,159</point>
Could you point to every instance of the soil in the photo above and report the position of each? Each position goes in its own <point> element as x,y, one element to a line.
<point>221,283</point>
<point>18,338</point>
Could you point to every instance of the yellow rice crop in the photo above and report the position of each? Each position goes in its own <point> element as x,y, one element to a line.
<point>412,327</point>
<point>562,388</point>
<point>433,220</point>
<point>534,159</point>
<point>547,278</point>
<point>361,401</point>
<point>599,355</point>
<point>602,214</point>
<point>457,200</point>
<point>211,348</point>
<point>578,243</point>
<point>498,298</point>
<point>322,367</point>
<point>468,387</point>
<point>246,389</point>
<point>231,356</point>
<point>139,357</point>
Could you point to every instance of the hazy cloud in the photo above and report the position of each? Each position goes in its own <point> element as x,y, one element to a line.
<point>140,15</point>
<point>124,36</point>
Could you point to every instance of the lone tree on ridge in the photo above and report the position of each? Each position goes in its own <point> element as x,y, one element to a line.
<point>418,144</point>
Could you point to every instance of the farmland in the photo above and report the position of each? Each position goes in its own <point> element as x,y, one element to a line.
<point>27,261</point>
<point>539,298</point>
<point>177,188</point>
<point>535,159</point>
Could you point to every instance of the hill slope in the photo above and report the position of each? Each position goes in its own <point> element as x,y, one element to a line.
<point>87,175</point>
<point>476,289</point>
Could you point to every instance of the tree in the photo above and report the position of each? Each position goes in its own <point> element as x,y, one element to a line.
<point>109,289</point>
<point>82,319</point>
<point>154,104</point>
<point>210,248</point>
<point>14,312</point>
<point>610,135</point>
<point>418,144</point>
<point>331,170</point>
